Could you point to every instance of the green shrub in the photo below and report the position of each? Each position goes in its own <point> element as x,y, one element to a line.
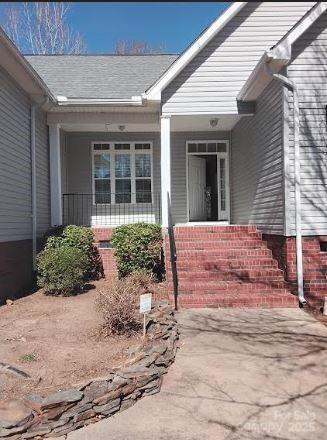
<point>79,237</point>
<point>137,247</point>
<point>61,270</point>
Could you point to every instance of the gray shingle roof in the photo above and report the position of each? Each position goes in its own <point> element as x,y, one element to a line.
<point>100,76</point>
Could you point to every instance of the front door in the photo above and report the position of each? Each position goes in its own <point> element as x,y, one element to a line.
<point>196,188</point>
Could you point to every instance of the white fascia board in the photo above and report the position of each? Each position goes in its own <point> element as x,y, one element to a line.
<point>283,49</point>
<point>154,92</point>
<point>259,78</point>
<point>134,101</point>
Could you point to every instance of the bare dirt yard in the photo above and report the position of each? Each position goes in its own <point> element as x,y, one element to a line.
<point>57,342</point>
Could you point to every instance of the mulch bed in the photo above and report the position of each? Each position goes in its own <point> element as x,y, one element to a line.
<point>48,343</point>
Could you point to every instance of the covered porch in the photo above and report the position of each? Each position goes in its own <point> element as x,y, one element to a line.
<point>109,169</point>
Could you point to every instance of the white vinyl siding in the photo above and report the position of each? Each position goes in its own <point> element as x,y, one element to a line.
<point>15,162</point>
<point>42,173</point>
<point>308,68</point>
<point>257,164</point>
<point>212,80</point>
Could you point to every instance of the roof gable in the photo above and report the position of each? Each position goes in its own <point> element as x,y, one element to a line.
<point>154,92</point>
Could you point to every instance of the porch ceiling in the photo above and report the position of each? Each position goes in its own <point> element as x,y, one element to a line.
<point>149,122</point>
<point>204,122</point>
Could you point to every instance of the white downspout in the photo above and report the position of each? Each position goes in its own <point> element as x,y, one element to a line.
<point>297,175</point>
<point>33,184</point>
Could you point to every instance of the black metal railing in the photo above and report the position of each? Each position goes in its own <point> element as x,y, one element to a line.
<point>108,209</point>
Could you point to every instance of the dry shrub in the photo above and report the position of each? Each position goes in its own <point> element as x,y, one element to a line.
<point>118,302</point>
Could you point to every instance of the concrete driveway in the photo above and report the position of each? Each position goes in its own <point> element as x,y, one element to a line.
<point>240,374</point>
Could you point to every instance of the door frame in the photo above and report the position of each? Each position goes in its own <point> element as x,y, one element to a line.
<point>227,155</point>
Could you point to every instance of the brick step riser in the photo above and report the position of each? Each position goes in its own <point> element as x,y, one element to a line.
<point>218,266</point>
<point>229,228</point>
<point>229,286</point>
<point>259,303</point>
<point>251,278</point>
<point>216,244</point>
<point>218,256</point>
<point>234,291</point>
<point>216,236</point>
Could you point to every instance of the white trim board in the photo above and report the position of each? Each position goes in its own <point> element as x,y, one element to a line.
<point>227,157</point>
<point>154,92</point>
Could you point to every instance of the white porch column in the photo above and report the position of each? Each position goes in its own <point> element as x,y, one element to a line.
<point>55,175</point>
<point>165,168</point>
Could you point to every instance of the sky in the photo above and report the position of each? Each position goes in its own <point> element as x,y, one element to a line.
<point>173,25</point>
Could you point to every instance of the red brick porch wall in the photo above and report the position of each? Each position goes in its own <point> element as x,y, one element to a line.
<point>314,264</point>
<point>107,255</point>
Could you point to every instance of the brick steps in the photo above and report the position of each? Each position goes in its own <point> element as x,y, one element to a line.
<point>231,300</point>
<point>227,266</point>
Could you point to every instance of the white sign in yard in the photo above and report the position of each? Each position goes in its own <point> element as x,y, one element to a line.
<point>145,306</point>
<point>145,302</point>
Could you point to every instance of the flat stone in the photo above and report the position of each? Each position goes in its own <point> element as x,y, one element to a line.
<point>152,384</point>
<point>53,413</point>
<point>62,398</point>
<point>112,395</point>
<point>76,409</point>
<point>152,391</point>
<point>15,430</point>
<point>135,371</point>
<point>62,430</point>
<point>87,422</point>
<point>142,381</point>
<point>14,413</point>
<point>34,401</point>
<point>108,408</point>
<point>159,348</point>
<point>55,423</point>
<point>36,432</point>
<point>84,415</point>
<point>127,404</point>
<point>95,389</point>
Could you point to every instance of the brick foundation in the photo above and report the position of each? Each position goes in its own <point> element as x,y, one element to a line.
<point>314,264</point>
<point>16,269</point>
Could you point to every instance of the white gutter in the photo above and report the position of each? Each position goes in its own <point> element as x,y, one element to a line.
<point>133,101</point>
<point>34,106</point>
<point>297,175</point>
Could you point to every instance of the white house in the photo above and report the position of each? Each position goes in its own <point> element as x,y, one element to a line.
<point>226,142</point>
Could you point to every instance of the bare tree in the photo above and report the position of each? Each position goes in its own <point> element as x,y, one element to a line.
<point>135,47</point>
<point>42,28</point>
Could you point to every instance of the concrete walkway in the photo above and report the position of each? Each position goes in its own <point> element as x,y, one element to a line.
<point>240,374</point>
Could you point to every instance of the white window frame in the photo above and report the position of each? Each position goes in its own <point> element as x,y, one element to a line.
<point>132,152</point>
<point>225,155</point>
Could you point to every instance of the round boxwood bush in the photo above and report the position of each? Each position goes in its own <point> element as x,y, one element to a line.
<point>137,247</point>
<point>61,270</point>
<point>79,237</point>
